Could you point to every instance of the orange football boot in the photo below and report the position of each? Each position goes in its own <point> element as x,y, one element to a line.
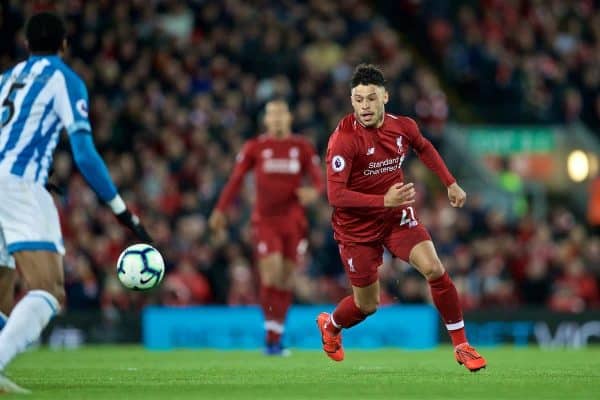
<point>332,344</point>
<point>467,356</point>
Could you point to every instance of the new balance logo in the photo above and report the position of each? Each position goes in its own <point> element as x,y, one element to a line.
<point>370,151</point>
<point>351,265</point>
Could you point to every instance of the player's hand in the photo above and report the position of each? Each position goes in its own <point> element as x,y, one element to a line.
<point>399,194</point>
<point>456,195</point>
<point>307,195</point>
<point>217,221</point>
<point>132,222</point>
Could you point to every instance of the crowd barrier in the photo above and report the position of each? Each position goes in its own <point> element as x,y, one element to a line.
<point>407,327</point>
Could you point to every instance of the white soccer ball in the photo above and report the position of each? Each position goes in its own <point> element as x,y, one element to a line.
<point>140,267</point>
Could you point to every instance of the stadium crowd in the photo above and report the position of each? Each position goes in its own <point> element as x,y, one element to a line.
<point>175,89</point>
<point>520,60</point>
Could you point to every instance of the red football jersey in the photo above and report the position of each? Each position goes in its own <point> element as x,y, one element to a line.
<point>279,167</point>
<point>362,164</point>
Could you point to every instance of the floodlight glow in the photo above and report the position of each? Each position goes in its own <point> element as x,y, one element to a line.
<point>578,166</point>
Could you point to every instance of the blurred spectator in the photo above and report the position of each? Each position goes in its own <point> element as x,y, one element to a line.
<point>243,287</point>
<point>185,286</point>
<point>575,288</point>
<point>517,61</point>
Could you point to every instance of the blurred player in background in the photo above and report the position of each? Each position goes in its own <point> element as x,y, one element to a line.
<point>39,98</point>
<point>280,162</point>
<point>372,210</point>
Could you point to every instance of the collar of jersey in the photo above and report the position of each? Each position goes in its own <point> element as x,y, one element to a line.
<point>40,56</point>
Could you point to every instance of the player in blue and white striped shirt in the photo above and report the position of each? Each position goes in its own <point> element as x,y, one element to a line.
<point>40,98</point>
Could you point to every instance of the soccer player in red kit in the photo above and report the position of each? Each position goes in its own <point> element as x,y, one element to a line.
<point>372,210</point>
<point>280,162</point>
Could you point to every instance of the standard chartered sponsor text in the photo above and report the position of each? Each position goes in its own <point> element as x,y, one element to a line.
<point>385,166</point>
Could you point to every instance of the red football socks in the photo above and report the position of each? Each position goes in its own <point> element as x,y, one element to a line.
<point>446,301</point>
<point>275,304</point>
<point>285,301</point>
<point>268,297</point>
<point>346,315</point>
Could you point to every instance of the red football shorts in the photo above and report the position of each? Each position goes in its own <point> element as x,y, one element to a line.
<point>287,237</point>
<point>361,260</point>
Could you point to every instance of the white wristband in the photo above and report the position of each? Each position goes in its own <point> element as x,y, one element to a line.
<point>117,204</point>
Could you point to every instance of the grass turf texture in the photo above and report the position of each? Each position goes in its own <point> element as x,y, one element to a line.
<point>133,373</point>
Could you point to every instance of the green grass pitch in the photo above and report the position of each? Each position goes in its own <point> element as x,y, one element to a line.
<point>130,372</point>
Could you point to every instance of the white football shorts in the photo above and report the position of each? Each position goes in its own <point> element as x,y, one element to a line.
<point>28,220</point>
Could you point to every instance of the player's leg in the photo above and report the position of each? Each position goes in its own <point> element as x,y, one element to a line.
<point>287,275</point>
<point>294,246</point>
<point>414,245</point>
<point>361,262</point>
<point>42,275</point>
<point>31,228</point>
<point>269,252</point>
<point>7,289</point>
<point>286,288</point>
<point>352,310</point>
<point>445,297</point>
<point>7,278</point>
<point>7,281</point>
<point>270,269</point>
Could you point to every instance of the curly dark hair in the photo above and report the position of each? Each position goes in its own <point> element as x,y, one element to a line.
<point>367,74</point>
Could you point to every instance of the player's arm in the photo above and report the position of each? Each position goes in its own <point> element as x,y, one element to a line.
<point>398,195</point>
<point>244,163</point>
<point>432,159</point>
<point>70,104</point>
<point>340,156</point>
<point>312,166</point>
